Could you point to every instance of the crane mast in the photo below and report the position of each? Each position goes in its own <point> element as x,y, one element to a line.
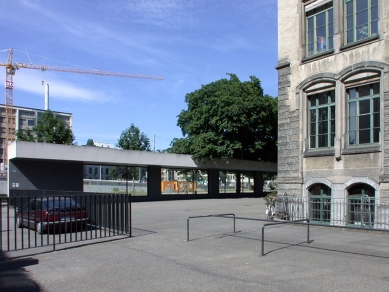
<point>10,72</point>
<point>9,121</point>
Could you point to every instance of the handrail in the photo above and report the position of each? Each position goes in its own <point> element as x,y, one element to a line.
<point>204,216</point>
<point>253,219</point>
<point>279,223</point>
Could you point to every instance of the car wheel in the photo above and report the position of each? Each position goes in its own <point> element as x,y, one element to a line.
<point>39,228</point>
<point>19,223</point>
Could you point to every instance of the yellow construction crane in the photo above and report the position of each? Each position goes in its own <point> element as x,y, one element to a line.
<point>10,69</point>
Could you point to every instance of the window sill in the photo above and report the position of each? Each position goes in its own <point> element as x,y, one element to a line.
<point>361,149</point>
<point>357,43</point>
<point>317,56</point>
<point>317,153</point>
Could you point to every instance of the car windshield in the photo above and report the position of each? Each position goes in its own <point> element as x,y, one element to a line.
<point>60,203</point>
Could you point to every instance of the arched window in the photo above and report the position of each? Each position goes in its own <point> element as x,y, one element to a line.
<point>361,206</point>
<point>320,204</point>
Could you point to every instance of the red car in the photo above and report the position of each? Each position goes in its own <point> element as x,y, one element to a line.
<point>43,214</point>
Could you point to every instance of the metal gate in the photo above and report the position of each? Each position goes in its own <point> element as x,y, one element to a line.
<point>45,220</point>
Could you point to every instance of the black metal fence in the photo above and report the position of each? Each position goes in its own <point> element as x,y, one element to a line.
<point>32,219</point>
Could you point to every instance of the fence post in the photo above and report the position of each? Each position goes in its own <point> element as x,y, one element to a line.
<point>308,231</point>
<point>263,240</point>
<point>187,229</point>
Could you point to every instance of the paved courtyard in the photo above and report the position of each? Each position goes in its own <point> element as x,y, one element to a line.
<point>159,258</point>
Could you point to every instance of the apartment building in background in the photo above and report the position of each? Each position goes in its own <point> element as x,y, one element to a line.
<point>24,118</point>
<point>333,73</point>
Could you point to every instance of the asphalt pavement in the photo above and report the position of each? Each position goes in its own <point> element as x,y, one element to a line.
<point>159,258</point>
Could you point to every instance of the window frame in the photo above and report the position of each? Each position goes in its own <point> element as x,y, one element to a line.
<point>320,205</point>
<point>361,211</point>
<point>354,28</point>
<point>358,115</point>
<point>331,109</point>
<point>328,38</point>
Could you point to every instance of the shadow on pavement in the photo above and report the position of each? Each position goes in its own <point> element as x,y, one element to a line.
<point>13,276</point>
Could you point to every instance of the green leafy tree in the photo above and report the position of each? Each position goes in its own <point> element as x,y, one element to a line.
<point>49,129</point>
<point>27,135</point>
<point>133,139</point>
<point>229,119</point>
<point>90,142</point>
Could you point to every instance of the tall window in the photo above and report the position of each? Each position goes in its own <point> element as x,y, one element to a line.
<point>361,19</point>
<point>363,114</point>
<point>320,204</point>
<point>319,30</point>
<point>321,119</point>
<point>361,206</point>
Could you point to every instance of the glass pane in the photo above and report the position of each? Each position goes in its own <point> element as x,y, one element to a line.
<point>364,107</point>
<point>323,98</point>
<point>374,13</point>
<point>323,114</point>
<point>222,181</point>
<point>374,2</point>
<point>332,95</point>
<point>312,142</point>
<point>376,120</point>
<point>363,91</point>
<point>352,93</point>
<point>376,88</point>
<point>323,127</point>
<point>310,23</point>
<point>313,128</point>
<point>332,126</point>
<point>349,7</point>
<point>361,5</point>
<point>311,49</point>
<point>352,124</point>
<point>362,18</point>
<point>374,28</point>
<point>376,105</point>
<point>330,13</point>
<point>376,135</point>
<point>350,36</point>
<point>350,22</point>
<point>321,19</point>
<point>364,136</point>
<point>362,32</point>
<point>323,141</point>
<point>352,138</point>
<point>321,42</point>
<point>315,190</point>
<point>364,122</point>
<point>332,140</point>
<point>352,109</point>
<point>313,115</point>
<point>330,43</point>
<point>332,112</point>
<point>312,101</point>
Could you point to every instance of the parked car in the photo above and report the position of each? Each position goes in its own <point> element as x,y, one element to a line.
<point>44,214</point>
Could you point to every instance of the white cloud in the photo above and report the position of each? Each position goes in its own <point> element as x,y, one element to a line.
<point>31,83</point>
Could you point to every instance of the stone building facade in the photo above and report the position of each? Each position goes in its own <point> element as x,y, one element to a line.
<point>333,68</point>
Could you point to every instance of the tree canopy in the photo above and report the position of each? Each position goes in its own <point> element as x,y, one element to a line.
<point>90,142</point>
<point>229,119</point>
<point>133,139</point>
<point>49,129</point>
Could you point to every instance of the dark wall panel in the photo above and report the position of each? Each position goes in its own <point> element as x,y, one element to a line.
<point>45,175</point>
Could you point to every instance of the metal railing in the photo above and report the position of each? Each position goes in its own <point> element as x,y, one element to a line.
<point>272,223</point>
<point>46,219</point>
<point>362,212</point>
<point>207,216</point>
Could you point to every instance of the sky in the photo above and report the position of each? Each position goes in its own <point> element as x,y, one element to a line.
<point>189,43</point>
